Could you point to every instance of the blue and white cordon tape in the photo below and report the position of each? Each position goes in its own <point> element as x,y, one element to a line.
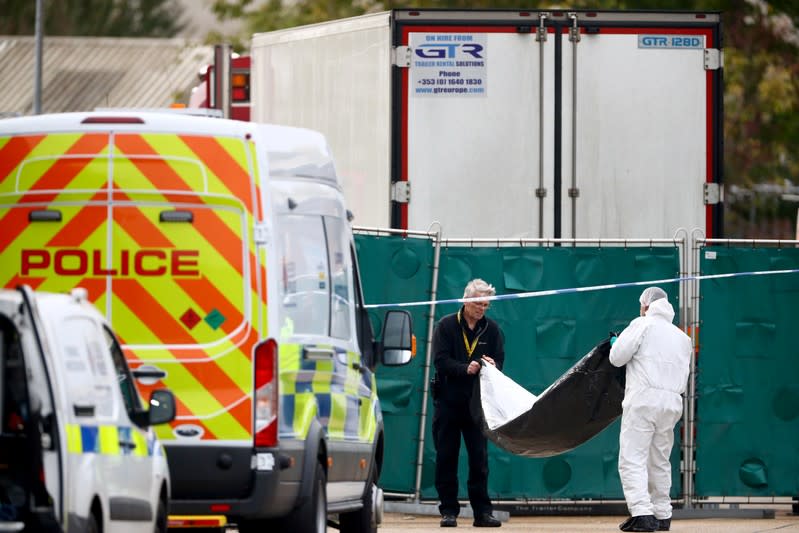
<point>535,294</point>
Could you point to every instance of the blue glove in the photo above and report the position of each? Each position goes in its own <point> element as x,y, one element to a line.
<point>613,339</point>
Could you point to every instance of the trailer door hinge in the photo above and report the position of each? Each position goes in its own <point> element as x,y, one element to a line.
<point>574,192</point>
<point>714,59</point>
<point>401,192</point>
<point>574,30</point>
<point>541,32</point>
<point>714,193</point>
<point>402,56</point>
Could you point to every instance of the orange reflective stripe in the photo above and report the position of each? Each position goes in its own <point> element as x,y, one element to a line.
<point>219,236</point>
<point>155,170</point>
<point>11,222</point>
<point>19,280</point>
<point>64,170</point>
<point>95,288</point>
<point>243,413</point>
<point>14,152</point>
<point>261,270</point>
<point>219,160</point>
<point>141,228</point>
<point>82,225</point>
<point>162,324</point>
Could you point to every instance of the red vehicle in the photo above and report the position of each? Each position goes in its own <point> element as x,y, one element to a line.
<point>202,96</point>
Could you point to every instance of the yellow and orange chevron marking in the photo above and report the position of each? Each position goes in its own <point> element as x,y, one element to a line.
<point>185,297</point>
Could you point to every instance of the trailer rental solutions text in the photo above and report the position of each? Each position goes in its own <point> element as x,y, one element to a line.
<point>448,64</point>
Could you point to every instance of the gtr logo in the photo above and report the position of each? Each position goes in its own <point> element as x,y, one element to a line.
<point>77,262</point>
<point>449,50</point>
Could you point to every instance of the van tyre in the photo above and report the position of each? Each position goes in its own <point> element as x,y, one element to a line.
<point>161,518</point>
<point>363,520</point>
<point>92,524</point>
<point>311,517</point>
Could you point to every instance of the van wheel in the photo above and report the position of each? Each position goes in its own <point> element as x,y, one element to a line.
<point>161,518</point>
<point>363,520</point>
<point>311,517</point>
<point>91,524</point>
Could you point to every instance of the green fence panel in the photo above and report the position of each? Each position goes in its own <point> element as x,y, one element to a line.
<point>747,433</point>
<point>545,336</point>
<point>396,269</point>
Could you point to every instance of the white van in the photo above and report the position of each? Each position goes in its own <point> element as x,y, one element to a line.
<point>77,452</point>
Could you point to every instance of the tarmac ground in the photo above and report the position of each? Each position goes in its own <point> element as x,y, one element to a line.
<point>760,518</point>
<point>782,520</point>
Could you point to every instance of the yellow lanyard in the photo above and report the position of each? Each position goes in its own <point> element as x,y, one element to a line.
<point>469,349</point>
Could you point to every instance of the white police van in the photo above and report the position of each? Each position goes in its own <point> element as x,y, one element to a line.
<point>77,451</point>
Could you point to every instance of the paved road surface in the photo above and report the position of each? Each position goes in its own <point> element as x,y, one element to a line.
<point>783,522</point>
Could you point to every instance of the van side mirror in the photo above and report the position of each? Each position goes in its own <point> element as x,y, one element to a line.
<point>162,407</point>
<point>398,345</point>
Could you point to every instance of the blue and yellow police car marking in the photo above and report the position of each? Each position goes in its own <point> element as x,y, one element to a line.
<point>108,439</point>
<point>320,389</point>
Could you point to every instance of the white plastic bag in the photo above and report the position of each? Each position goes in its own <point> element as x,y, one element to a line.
<point>503,399</point>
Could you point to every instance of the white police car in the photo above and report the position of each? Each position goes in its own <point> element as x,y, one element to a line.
<point>77,452</point>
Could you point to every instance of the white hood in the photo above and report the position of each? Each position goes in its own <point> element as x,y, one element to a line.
<point>658,358</point>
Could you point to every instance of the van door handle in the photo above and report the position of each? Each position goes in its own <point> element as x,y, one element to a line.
<point>44,215</point>
<point>127,444</point>
<point>83,410</point>
<point>148,372</point>
<point>318,354</point>
<point>176,215</point>
<point>360,368</point>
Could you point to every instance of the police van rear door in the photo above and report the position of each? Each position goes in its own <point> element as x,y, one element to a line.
<point>186,295</point>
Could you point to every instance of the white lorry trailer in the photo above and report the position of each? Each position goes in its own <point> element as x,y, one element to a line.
<point>574,124</point>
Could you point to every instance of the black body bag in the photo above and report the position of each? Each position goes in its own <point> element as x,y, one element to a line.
<point>581,403</point>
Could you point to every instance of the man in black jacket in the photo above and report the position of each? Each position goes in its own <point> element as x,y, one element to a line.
<point>461,340</point>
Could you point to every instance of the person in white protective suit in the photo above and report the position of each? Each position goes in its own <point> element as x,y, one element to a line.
<point>658,359</point>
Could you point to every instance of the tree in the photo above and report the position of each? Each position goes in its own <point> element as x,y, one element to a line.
<point>117,18</point>
<point>276,14</point>
<point>761,120</point>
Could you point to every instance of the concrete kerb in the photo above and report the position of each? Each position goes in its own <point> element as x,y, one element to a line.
<point>687,513</point>
<point>431,509</point>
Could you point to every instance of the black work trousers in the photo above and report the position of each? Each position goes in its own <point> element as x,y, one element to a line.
<point>449,423</point>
